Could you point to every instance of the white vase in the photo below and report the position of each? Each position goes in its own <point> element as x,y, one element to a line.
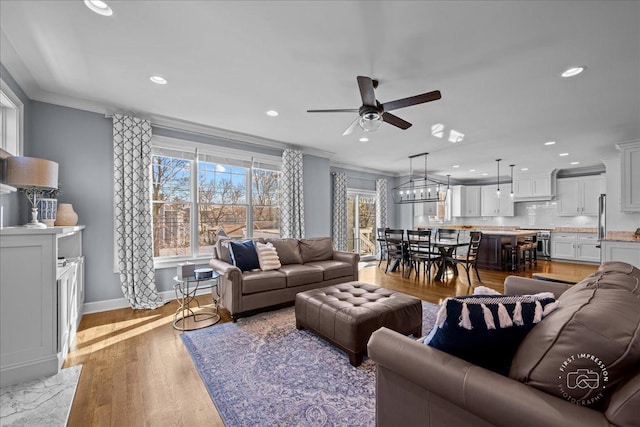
<point>66,215</point>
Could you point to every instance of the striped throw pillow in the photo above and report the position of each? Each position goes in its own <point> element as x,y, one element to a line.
<point>267,256</point>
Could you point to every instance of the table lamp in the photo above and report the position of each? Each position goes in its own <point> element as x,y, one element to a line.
<point>32,175</point>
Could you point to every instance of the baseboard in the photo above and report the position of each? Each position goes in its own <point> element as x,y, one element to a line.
<point>118,303</point>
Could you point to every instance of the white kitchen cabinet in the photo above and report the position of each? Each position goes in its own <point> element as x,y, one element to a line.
<point>35,340</point>
<point>466,201</point>
<point>630,166</point>
<point>492,205</point>
<point>628,252</point>
<point>587,247</point>
<point>575,247</point>
<point>534,187</point>
<point>425,209</point>
<point>579,196</point>
<point>563,246</point>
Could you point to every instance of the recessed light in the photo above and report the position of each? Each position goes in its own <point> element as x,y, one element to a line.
<point>472,170</point>
<point>563,154</point>
<point>272,113</point>
<point>437,130</point>
<point>99,7</point>
<point>364,139</point>
<point>485,174</point>
<point>573,71</point>
<point>549,143</point>
<point>455,136</point>
<point>524,169</point>
<point>575,163</point>
<point>158,80</point>
<point>455,166</point>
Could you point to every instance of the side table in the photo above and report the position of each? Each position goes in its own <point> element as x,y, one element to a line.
<point>190,315</point>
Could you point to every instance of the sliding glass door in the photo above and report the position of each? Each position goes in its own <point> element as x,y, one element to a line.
<point>361,223</point>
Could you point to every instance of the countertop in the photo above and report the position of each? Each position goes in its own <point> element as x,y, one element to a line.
<point>621,236</point>
<point>517,233</point>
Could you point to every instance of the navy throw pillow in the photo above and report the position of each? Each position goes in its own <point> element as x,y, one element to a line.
<point>487,330</point>
<point>244,255</point>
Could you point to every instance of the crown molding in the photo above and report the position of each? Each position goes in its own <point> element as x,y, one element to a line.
<point>363,169</point>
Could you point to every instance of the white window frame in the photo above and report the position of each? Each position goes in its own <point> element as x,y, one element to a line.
<point>207,149</point>
<point>11,121</point>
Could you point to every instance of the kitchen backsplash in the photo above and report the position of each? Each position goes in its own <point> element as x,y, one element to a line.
<point>535,215</point>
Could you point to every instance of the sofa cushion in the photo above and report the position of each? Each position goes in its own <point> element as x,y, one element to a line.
<point>222,249</point>
<point>299,274</point>
<point>260,281</point>
<point>333,269</point>
<point>486,330</point>
<point>288,250</point>
<point>590,343</point>
<point>316,249</point>
<point>244,255</point>
<point>622,409</point>
<point>268,256</point>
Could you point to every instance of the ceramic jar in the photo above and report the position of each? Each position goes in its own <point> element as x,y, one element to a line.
<point>47,209</point>
<point>66,214</point>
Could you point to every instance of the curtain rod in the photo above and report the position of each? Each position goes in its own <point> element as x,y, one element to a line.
<point>357,177</point>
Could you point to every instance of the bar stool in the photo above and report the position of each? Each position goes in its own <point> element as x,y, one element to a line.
<point>510,257</point>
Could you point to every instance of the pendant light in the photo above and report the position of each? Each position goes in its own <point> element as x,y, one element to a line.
<point>498,190</point>
<point>420,190</point>
<point>511,166</point>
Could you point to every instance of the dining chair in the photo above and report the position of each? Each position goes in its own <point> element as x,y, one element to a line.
<point>382,242</point>
<point>396,248</point>
<point>449,234</point>
<point>420,251</point>
<point>469,260</point>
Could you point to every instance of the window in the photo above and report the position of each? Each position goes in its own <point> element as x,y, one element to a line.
<point>11,111</point>
<point>197,194</point>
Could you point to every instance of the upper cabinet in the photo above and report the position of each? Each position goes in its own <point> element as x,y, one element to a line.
<point>579,196</point>
<point>534,187</point>
<point>492,205</point>
<point>465,201</point>
<point>630,165</point>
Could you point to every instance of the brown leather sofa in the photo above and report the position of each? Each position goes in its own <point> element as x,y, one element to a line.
<point>306,264</point>
<point>418,385</point>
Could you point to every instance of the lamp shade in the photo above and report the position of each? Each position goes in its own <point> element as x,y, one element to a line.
<point>31,172</point>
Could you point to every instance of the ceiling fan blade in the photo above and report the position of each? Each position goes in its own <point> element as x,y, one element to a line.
<point>412,100</point>
<point>351,127</point>
<point>396,121</point>
<point>366,91</point>
<point>351,110</point>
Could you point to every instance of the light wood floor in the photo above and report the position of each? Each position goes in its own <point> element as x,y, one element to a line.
<point>137,372</point>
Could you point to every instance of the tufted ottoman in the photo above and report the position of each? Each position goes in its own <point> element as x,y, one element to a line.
<point>347,314</point>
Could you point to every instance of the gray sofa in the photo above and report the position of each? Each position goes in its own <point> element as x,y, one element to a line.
<point>418,385</point>
<point>306,264</point>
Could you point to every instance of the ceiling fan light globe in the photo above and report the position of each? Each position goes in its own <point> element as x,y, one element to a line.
<point>370,122</point>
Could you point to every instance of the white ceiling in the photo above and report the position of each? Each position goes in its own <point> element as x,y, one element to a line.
<point>497,65</point>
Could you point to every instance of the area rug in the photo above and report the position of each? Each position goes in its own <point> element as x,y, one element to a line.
<point>263,371</point>
<point>42,402</point>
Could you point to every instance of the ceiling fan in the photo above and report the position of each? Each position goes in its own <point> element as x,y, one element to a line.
<point>372,113</point>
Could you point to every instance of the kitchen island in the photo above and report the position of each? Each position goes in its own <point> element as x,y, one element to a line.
<point>490,255</point>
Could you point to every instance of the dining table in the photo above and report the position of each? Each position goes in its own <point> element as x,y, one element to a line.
<point>446,247</point>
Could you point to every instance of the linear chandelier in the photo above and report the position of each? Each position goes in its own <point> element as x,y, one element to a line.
<point>422,190</point>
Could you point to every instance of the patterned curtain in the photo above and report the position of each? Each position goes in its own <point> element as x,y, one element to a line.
<point>292,195</point>
<point>340,211</point>
<point>132,211</point>
<point>381,204</point>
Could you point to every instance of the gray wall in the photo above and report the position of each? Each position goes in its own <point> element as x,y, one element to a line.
<point>81,142</point>
<point>317,196</point>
